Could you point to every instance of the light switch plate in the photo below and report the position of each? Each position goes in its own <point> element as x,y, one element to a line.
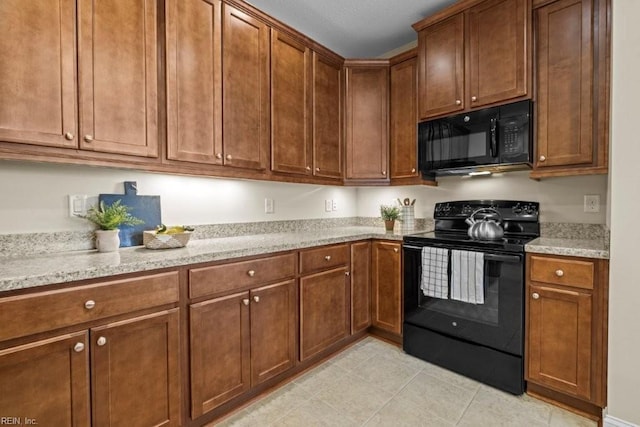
<point>592,203</point>
<point>268,206</point>
<point>328,205</point>
<point>77,205</point>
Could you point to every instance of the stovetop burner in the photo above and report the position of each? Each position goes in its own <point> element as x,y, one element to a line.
<point>519,221</point>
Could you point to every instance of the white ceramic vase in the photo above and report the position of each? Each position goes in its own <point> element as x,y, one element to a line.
<point>107,240</point>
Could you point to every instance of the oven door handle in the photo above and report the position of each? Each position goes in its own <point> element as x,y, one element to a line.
<point>412,247</point>
<point>502,258</point>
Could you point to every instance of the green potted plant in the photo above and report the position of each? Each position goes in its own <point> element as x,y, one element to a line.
<point>389,215</point>
<point>108,218</point>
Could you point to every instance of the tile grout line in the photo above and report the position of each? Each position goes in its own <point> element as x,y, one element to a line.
<point>468,405</point>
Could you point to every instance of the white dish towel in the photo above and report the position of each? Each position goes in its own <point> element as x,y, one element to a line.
<point>467,276</point>
<point>435,277</point>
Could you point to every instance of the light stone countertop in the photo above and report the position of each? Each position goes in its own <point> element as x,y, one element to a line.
<point>19,272</point>
<point>587,248</point>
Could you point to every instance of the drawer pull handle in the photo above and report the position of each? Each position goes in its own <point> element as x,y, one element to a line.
<point>395,250</point>
<point>68,136</point>
<point>308,168</point>
<point>78,347</point>
<point>535,295</point>
<point>245,301</point>
<point>542,158</point>
<point>256,298</point>
<point>413,170</point>
<point>89,304</point>
<point>559,273</point>
<point>474,98</point>
<point>229,157</point>
<point>458,102</point>
<point>251,273</point>
<point>346,273</point>
<point>101,341</point>
<point>88,139</point>
<point>328,257</point>
<point>218,155</point>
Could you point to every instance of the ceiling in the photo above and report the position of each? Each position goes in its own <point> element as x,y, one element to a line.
<point>354,28</point>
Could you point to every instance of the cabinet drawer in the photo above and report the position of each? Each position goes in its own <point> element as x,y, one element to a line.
<point>228,277</point>
<point>559,271</point>
<point>29,314</point>
<point>323,258</point>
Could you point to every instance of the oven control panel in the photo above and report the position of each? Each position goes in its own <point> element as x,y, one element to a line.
<point>508,209</point>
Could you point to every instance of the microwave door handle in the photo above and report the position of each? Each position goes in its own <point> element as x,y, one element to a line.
<point>494,142</point>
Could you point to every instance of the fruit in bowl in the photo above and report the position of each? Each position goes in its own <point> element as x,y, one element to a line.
<point>167,237</point>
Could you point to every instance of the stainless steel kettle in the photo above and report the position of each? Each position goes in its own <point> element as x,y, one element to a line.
<point>486,228</point>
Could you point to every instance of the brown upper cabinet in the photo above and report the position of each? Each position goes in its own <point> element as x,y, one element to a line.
<point>367,96</point>
<point>572,84</point>
<point>194,82</point>
<point>245,90</point>
<point>116,82</point>
<point>327,117</point>
<point>474,56</point>
<point>291,145</point>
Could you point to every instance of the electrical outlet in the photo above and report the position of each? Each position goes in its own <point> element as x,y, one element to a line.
<point>268,206</point>
<point>328,205</point>
<point>334,205</point>
<point>77,205</point>
<point>592,203</point>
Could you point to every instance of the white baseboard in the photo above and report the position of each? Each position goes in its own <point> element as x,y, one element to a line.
<point>610,421</point>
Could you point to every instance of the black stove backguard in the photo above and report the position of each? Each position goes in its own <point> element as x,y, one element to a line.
<point>483,341</point>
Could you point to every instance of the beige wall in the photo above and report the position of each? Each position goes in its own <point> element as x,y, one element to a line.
<point>624,300</point>
<point>561,199</point>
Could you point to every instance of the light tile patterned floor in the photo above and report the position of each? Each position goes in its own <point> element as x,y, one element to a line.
<point>374,383</point>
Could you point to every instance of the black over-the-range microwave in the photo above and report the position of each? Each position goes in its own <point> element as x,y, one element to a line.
<point>492,139</point>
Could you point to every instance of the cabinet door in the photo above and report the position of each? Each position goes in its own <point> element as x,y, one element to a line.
<point>47,381</point>
<point>386,284</point>
<point>559,344</point>
<point>324,310</point>
<point>498,35</point>
<point>360,286</point>
<point>118,76</point>
<point>194,80</point>
<point>367,134</point>
<point>245,90</point>
<point>273,330</point>
<point>564,113</point>
<point>291,148</point>
<point>327,114</point>
<point>37,73</point>
<point>220,355</point>
<point>136,371</point>
<point>441,67</point>
<point>403,120</point>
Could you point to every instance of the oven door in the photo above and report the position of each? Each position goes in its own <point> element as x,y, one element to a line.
<point>498,323</point>
<point>457,142</point>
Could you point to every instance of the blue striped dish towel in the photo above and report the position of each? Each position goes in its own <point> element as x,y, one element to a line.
<point>435,278</point>
<point>467,276</point>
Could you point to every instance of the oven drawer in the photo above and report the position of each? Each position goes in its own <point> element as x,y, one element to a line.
<point>323,258</point>
<point>562,271</point>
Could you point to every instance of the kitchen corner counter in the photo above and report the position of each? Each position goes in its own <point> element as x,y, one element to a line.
<point>20,272</point>
<point>587,248</point>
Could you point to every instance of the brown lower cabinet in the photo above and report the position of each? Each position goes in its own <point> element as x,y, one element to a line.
<point>386,286</point>
<point>240,340</point>
<point>360,286</point>
<point>133,366</point>
<point>566,324</point>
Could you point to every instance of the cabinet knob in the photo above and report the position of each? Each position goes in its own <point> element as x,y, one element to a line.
<point>251,273</point>
<point>413,170</point>
<point>317,169</point>
<point>328,257</point>
<point>347,273</point>
<point>535,295</point>
<point>559,273</point>
<point>308,168</point>
<point>68,136</point>
<point>229,157</point>
<point>458,102</point>
<point>384,172</point>
<point>542,158</point>
<point>474,99</point>
<point>256,298</point>
<point>245,301</point>
<point>395,250</point>
<point>88,138</point>
<point>218,155</point>
<point>78,347</point>
<point>101,341</point>
<point>89,304</point>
